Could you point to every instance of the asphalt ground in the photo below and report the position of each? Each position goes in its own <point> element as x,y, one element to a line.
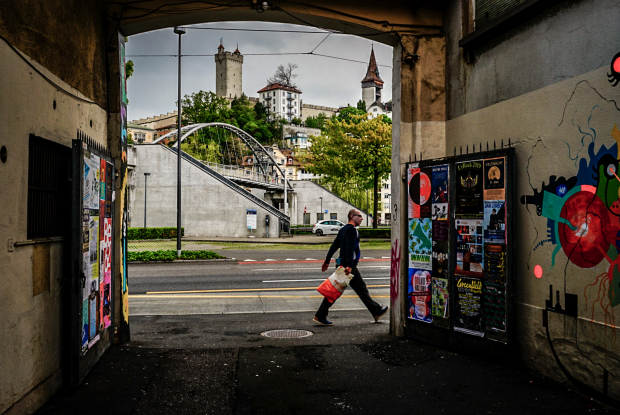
<point>221,364</point>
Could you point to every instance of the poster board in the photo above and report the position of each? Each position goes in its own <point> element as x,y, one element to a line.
<point>92,255</point>
<point>459,250</point>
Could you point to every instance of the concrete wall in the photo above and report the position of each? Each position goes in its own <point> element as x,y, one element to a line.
<point>306,197</point>
<point>309,110</point>
<point>544,85</point>
<point>208,207</point>
<point>31,327</point>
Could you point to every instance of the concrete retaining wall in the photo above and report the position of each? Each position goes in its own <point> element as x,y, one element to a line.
<point>209,208</point>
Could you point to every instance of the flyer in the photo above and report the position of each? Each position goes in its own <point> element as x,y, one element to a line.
<point>495,261</point>
<point>420,244</point>
<point>420,305</point>
<point>469,183</point>
<point>441,192</point>
<point>494,179</point>
<point>440,297</point>
<point>469,248</point>
<point>495,221</point>
<point>494,306</point>
<point>468,305</point>
<point>419,192</point>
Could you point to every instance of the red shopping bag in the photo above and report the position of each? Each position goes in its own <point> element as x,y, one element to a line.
<point>333,287</point>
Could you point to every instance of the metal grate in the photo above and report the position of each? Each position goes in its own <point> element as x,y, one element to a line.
<point>287,334</point>
<point>49,189</point>
<point>489,10</point>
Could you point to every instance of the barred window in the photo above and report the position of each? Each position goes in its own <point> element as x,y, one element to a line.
<point>49,189</point>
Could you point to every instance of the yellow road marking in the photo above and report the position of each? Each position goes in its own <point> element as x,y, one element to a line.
<point>249,290</point>
<point>244,296</point>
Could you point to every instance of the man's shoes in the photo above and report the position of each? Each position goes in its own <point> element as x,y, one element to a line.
<point>381,313</point>
<point>322,321</point>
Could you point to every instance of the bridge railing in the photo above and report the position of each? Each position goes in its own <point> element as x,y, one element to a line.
<point>241,173</point>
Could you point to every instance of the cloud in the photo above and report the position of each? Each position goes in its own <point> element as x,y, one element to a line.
<point>329,82</point>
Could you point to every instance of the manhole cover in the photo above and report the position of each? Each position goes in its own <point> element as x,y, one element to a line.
<point>287,334</point>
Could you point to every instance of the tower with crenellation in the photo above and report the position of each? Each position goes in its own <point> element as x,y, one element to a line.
<point>228,72</point>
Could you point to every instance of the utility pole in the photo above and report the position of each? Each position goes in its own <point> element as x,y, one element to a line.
<point>179,31</point>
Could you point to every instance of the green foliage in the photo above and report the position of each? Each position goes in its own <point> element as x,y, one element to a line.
<point>375,233</point>
<point>129,138</point>
<point>170,255</point>
<point>152,233</point>
<point>128,69</point>
<point>296,121</point>
<point>361,105</point>
<point>351,115</point>
<point>386,119</point>
<point>353,154</point>
<point>316,122</point>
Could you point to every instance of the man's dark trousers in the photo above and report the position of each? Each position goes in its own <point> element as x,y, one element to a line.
<point>359,286</point>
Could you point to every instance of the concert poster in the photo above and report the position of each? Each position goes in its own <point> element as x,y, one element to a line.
<point>494,179</point>
<point>469,182</point>
<point>440,192</point>
<point>419,294</point>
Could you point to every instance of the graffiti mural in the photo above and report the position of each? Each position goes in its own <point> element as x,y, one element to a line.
<point>582,210</point>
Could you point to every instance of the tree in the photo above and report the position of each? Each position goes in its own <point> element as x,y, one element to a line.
<point>354,153</point>
<point>296,121</point>
<point>361,105</point>
<point>203,107</point>
<point>284,75</point>
<point>351,114</point>
<point>316,122</point>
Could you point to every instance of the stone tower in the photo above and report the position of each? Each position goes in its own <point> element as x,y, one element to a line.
<point>228,72</point>
<point>372,84</point>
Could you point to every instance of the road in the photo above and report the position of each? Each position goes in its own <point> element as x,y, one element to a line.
<point>259,282</point>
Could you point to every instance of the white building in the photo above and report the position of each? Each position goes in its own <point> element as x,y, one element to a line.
<point>228,72</point>
<point>281,101</point>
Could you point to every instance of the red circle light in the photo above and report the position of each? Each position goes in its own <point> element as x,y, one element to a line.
<point>616,65</point>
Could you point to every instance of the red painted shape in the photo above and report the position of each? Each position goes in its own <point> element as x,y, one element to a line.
<point>394,272</point>
<point>538,271</point>
<point>616,65</point>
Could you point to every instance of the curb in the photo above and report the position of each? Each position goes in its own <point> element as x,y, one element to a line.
<point>183,261</point>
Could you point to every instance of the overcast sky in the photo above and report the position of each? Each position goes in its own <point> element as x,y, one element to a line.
<point>152,90</point>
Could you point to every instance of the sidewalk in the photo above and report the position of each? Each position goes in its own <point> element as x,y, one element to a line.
<point>222,365</point>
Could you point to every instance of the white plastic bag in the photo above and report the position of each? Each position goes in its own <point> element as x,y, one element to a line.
<point>333,287</point>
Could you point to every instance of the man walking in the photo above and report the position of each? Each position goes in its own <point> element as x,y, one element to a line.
<point>348,241</point>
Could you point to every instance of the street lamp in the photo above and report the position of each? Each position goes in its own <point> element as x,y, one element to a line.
<point>145,176</point>
<point>179,31</point>
<point>321,197</point>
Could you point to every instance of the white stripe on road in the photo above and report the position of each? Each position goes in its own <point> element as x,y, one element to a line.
<point>266,259</point>
<point>249,260</point>
<point>287,259</point>
<point>311,259</point>
<point>323,279</point>
<point>385,257</point>
<point>293,269</point>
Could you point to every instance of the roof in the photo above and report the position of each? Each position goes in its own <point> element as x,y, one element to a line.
<point>372,74</point>
<point>138,127</point>
<point>272,87</point>
<point>237,50</point>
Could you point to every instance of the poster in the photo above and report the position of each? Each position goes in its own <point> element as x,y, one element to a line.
<point>419,202</point>
<point>419,293</point>
<point>495,221</point>
<point>469,183</point>
<point>420,243</point>
<point>468,306</point>
<point>494,306</point>
<point>106,265</point>
<point>440,192</point>
<point>440,297</point>
<point>495,260</point>
<point>469,248</point>
<point>494,179</point>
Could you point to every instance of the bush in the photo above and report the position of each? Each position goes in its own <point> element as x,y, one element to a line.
<point>152,233</point>
<point>171,255</point>
<point>375,233</point>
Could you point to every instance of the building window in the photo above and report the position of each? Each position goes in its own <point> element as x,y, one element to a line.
<point>319,216</point>
<point>386,185</point>
<point>49,189</point>
<point>283,94</point>
<point>333,216</point>
<point>386,196</point>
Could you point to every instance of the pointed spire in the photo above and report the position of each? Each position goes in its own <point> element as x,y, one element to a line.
<point>372,74</point>
<point>221,46</point>
<point>237,50</point>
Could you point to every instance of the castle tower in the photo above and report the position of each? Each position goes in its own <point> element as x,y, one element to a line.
<point>372,84</point>
<point>228,72</point>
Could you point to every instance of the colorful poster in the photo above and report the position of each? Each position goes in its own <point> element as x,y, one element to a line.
<point>495,221</point>
<point>494,306</point>
<point>85,324</point>
<point>441,251</point>
<point>108,190</point>
<point>92,316</point>
<point>94,247</point>
<point>440,196</point>
<point>469,248</point>
<point>420,243</point>
<point>468,306</point>
<point>441,230</point>
<point>106,281</point>
<point>494,179</point>
<point>412,207</point>
<point>440,297</point>
<point>469,181</point>
<point>419,192</point>
<point>420,295</point>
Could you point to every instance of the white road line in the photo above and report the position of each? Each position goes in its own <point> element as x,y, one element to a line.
<point>287,259</point>
<point>293,269</point>
<point>383,257</point>
<point>266,259</point>
<point>249,260</point>
<point>323,279</point>
<point>311,259</point>
<point>366,257</point>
